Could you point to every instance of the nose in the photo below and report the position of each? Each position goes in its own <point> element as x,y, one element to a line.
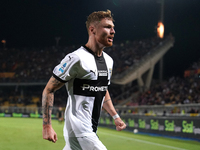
<point>112,31</point>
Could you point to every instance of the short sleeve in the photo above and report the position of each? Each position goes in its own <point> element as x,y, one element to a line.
<point>68,68</point>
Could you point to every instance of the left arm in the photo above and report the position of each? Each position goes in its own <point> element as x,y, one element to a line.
<point>108,106</point>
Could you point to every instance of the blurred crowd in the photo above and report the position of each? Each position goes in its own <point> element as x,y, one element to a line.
<point>127,53</point>
<point>30,65</point>
<point>36,65</point>
<point>174,91</point>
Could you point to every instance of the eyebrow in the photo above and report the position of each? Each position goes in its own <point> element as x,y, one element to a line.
<point>110,25</point>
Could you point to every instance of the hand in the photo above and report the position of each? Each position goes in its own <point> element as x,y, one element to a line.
<point>120,125</point>
<point>49,133</point>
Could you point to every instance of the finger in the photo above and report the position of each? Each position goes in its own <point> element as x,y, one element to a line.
<point>124,126</point>
<point>50,139</point>
<point>121,127</point>
<point>46,137</point>
<point>118,128</point>
<point>55,138</point>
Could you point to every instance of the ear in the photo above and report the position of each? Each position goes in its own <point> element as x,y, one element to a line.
<point>92,29</point>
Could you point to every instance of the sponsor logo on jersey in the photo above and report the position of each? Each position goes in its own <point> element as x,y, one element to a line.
<point>110,71</point>
<point>63,67</point>
<point>102,73</point>
<point>94,88</point>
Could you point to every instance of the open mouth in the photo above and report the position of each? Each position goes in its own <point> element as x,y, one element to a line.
<point>110,39</point>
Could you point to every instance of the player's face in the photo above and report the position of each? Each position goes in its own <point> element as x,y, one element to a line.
<point>105,32</point>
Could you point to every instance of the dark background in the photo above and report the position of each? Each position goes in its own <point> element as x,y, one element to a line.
<point>36,23</point>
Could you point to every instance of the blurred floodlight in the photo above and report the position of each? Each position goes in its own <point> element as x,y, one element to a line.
<point>160,30</point>
<point>3,41</point>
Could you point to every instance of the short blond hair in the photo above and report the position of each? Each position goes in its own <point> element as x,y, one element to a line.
<point>97,16</point>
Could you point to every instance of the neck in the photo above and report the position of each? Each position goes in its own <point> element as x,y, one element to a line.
<point>95,47</point>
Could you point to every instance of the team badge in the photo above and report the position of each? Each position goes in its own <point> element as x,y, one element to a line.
<point>63,67</point>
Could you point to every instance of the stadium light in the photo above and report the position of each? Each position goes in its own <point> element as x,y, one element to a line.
<point>160,30</point>
<point>4,43</point>
<point>160,27</point>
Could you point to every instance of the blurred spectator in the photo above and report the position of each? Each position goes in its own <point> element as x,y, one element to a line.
<point>174,91</point>
<point>35,65</point>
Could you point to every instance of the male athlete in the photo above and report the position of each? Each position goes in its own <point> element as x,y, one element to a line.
<point>86,73</point>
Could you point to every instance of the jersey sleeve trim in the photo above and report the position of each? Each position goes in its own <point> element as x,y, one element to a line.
<point>59,78</point>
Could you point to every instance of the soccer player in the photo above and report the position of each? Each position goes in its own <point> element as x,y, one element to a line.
<point>86,73</point>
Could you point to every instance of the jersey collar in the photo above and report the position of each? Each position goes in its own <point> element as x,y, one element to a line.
<point>89,50</point>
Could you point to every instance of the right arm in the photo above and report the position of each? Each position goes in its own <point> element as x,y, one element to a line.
<point>47,105</point>
<point>64,71</point>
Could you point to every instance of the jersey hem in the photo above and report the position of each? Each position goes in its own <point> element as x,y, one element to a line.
<point>82,135</point>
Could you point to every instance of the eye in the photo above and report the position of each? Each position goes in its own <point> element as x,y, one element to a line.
<point>109,27</point>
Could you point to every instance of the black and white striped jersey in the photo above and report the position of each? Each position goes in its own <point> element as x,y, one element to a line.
<point>87,78</point>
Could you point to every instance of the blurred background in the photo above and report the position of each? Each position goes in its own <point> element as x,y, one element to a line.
<point>156,53</point>
<point>34,24</point>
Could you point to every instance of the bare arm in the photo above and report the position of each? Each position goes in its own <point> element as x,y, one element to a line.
<point>47,105</point>
<point>108,106</point>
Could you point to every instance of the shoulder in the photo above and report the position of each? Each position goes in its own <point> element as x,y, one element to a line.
<point>81,52</point>
<point>83,55</point>
<point>73,56</point>
<point>80,56</point>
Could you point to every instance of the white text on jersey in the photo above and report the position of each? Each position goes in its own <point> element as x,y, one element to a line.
<point>94,88</point>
